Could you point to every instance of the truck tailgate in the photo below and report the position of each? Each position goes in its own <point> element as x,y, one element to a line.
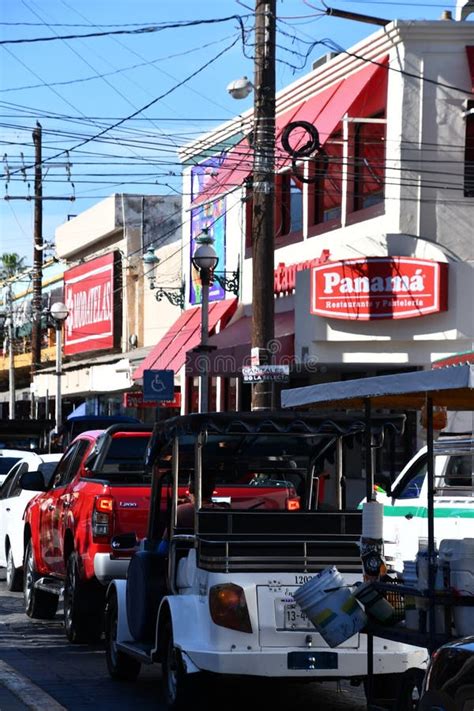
<point>131,507</point>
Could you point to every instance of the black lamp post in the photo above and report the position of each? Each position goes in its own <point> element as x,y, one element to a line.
<point>205,260</point>
<point>58,313</point>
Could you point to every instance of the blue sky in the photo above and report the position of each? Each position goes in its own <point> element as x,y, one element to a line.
<point>77,88</point>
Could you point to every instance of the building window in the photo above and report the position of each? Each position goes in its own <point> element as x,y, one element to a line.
<point>469,152</point>
<point>369,164</point>
<point>325,193</point>
<point>288,205</point>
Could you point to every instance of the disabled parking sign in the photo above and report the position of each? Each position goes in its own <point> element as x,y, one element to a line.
<point>158,385</point>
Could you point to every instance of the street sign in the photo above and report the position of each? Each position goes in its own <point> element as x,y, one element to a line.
<point>264,373</point>
<point>135,399</point>
<point>158,385</point>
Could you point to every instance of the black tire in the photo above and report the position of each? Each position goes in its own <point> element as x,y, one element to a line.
<point>14,576</point>
<point>39,604</point>
<point>384,689</point>
<point>83,606</point>
<point>180,690</point>
<point>120,665</point>
<point>409,690</point>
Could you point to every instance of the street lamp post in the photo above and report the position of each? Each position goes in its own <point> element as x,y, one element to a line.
<point>205,260</point>
<point>59,313</point>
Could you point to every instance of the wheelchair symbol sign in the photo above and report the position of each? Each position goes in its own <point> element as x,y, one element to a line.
<point>158,385</point>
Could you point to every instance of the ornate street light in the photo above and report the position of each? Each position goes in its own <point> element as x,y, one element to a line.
<point>58,313</point>
<point>205,260</point>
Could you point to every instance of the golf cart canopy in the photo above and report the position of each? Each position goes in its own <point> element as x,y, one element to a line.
<point>451,387</point>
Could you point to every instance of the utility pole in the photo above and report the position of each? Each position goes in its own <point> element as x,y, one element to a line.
<point>11,355</point>
<point>263,327</point>
<point>37,277</point>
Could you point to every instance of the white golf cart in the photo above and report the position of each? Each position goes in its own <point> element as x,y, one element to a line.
<point>219,600</point>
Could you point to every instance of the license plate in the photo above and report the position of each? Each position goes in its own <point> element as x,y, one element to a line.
<point>295,619</point>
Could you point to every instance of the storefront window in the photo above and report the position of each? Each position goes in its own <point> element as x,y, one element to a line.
<point>288,205</point>
<point>369,164</point>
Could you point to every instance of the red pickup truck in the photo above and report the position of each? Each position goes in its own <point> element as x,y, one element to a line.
<point>100,489</point>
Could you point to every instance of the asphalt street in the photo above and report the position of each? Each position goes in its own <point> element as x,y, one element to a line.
<point>41,670</point>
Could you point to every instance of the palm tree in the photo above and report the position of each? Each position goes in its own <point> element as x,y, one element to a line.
<point>12,264</point>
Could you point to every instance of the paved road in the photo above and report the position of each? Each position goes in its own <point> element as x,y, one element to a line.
<point>75,676</point>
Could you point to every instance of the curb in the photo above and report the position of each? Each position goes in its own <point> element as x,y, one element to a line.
<point>29,693</point>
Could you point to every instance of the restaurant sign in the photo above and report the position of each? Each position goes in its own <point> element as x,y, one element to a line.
<point>379,288</point>
<point>89,296</point>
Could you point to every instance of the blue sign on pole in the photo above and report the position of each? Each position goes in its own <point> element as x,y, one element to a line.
<point>158,385</point>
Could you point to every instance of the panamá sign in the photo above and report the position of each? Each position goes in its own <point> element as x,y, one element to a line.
<point>379,288</point>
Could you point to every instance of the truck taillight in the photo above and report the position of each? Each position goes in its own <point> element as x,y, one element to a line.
<point>293,503</point>
<point>228,607</point>
<point>102,516</point>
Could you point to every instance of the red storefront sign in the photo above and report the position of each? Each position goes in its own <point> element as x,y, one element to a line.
<point>89,296</point>
<point>135,399</point>
<point>285,274</point>
<point>379,288</point>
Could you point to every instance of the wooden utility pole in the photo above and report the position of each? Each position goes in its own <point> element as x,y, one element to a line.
<point>263,328</point>
<point>37,274</point>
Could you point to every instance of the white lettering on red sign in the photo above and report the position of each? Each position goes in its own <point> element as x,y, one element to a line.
<point>379,287</point>
<point>88,293</point>
<point>284,281</point>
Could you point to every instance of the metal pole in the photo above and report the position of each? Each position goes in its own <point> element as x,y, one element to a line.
<point>369,489</point>
<point>204,380</point>
<point>11,368</point>
<point>37,274</point>
<point>263,327</point>
<point>431,533</point>
<point>59,408</point>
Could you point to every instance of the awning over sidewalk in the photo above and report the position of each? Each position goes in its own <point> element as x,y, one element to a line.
<point>470,61</point>
<point>324,110</point>
<point>233,344</point>
<point>185,334</point>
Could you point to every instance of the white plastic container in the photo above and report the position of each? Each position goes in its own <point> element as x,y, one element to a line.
<point>460,555</point>
<point>410,578</point>
<point>329,604</point>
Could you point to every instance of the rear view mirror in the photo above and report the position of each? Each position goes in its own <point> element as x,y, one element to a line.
<point>33,481</point>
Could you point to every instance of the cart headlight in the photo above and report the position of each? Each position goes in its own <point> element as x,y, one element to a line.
<point>228,607</point>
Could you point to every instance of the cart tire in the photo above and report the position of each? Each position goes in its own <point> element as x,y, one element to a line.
<point>119,665</point>
<point>180,690</point>
<point>14,576</point>
<point>409,690</point>
<point>39,604</point>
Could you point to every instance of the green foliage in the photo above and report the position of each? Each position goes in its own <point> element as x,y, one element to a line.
<point>11,265</point>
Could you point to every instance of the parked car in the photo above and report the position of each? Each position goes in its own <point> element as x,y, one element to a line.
<point>13,500</point>
<point>100,489</point>
<point>449,679</point>
<point>405,505</point>
<point>9,457</point>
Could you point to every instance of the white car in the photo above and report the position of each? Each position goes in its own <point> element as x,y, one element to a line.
<point>13,501</point>
<point>9,457</point>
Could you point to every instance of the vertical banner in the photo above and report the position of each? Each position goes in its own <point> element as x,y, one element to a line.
<point>210,217</point>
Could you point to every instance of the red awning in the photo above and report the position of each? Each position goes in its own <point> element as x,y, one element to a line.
<point>470,61</point>
<point>325,110</point>
<point>233,345</point>
<point>185,334</point>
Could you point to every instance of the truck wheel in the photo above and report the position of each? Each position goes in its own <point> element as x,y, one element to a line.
<point>409,690</point>
<point>181,690</point>
<point>120,665</point>
<point>14,576</point>
<point>38,603</point>
<point>83,603</point>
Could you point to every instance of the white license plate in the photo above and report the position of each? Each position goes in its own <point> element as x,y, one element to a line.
<point>295,619</point>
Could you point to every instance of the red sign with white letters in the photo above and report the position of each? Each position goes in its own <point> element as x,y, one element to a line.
<point>135,399</point>
<point>379,288</point>
<point>89,296</point>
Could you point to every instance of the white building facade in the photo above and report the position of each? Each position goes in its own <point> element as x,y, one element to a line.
<point>374,233</point>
